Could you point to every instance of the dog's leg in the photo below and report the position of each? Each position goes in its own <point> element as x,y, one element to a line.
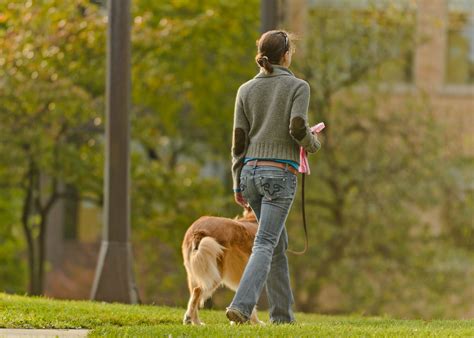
<point>195,292</point>
<point>191,316</point>
<point>191,286</point>
<point>187,315</point>
<point>254,319</point>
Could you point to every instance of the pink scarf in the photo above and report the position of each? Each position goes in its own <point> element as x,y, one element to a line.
<point>304,165</point>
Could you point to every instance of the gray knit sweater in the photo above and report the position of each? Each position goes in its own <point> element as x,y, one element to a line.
<point>270,119</point>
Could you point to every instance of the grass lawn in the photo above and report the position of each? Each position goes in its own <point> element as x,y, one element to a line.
<point>146,320</point>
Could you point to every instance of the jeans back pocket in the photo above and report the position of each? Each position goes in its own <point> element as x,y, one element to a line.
<point>278,185</point>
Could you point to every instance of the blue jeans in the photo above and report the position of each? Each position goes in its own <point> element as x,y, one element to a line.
<point>270,191</point>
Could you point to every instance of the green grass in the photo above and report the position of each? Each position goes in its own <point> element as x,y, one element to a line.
<point>147,320</point>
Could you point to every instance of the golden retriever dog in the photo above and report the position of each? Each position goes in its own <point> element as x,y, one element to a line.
<point>215,252</point>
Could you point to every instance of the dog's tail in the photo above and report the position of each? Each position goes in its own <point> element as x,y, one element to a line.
<point>203,262</point>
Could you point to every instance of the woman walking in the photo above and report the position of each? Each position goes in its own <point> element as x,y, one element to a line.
<point>270,125</point>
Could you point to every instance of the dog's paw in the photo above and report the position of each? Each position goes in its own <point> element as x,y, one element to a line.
<point>233,323</point>
<point>187,320</point>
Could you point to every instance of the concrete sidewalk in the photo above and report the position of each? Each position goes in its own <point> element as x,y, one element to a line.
<point>30,333</point>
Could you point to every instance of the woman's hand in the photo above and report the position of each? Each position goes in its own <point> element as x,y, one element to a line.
<point>239,199</point>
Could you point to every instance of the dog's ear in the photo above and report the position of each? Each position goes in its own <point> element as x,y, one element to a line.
<point>249,214</point>
<point>246,212</point>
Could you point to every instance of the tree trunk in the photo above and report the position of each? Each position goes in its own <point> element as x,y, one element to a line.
<point>41,253</point>
<point>36,246</point>
<point>43,212</point>
<point>27,230</point>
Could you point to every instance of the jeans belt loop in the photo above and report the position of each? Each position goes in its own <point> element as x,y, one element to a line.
<point>286,168</point>
<point>254,168</point>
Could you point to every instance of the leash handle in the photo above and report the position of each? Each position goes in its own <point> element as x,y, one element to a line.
<point>303,212</point>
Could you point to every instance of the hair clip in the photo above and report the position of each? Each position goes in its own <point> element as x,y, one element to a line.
<point>286,39</point>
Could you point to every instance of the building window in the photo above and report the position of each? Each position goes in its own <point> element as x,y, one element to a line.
<point>460,43</point>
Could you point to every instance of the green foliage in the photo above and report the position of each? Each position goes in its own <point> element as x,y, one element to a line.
<point>376,179</point>
<point>458,206</point>
<point>47,99</point>
<point>141,320</point>
<point>12,267</point>
<point>47,134</point>
<point>183,74</point>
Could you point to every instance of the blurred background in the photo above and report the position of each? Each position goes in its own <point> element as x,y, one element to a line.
<point>390,200</point>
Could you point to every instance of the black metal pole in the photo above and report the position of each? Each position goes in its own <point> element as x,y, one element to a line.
<point>114,280</point>
<point>269,15</point>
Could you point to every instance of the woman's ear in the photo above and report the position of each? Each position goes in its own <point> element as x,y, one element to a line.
<point>286,59</point>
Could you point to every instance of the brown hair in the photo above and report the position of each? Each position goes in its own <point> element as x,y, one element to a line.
<point>272,46</point>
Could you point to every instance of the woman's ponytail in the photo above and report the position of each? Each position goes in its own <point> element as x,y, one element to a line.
<point>263,62</point>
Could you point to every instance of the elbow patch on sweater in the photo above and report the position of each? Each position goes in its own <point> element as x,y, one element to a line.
<point>298,128</point>
<point>239,141</point>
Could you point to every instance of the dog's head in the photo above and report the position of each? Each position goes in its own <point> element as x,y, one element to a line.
<point>247,216</point>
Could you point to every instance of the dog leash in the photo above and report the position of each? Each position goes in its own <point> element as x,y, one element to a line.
<point>304,169</point>
<point>303,212</point>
